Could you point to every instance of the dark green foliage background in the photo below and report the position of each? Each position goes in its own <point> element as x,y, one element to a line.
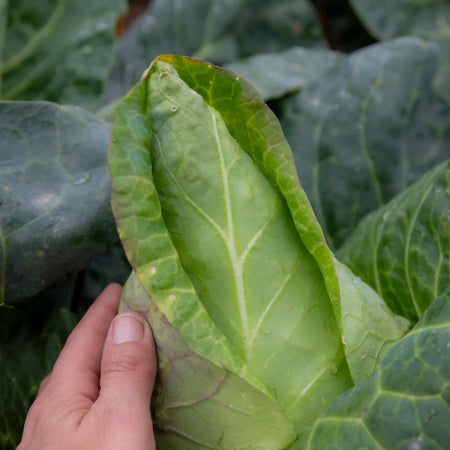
<point>363,94</point>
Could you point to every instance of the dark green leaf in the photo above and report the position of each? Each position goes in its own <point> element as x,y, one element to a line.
<point>366,130</point>
<point>276,74</point>
<point>426,19</point>
<point>405,404</point>
<point>54,194</point>
<point>58,50</point>
<point>402,249</point>
<point>30,341</point>
<point>220,31</point>
<point>3,13</point>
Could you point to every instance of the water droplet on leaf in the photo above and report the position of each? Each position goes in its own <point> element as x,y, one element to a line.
<point>82,179</point>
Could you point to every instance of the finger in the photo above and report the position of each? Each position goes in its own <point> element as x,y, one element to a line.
<point>77,370</point>
<point>44,384</point>
<point>128,368</point>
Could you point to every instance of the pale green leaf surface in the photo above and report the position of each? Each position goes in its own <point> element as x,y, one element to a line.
<point>405,403</point>
<point>427,19</point>
<point>230,252</point>
<point>220,31</point>
<point>365,131</point>
<point>198,404</point>
<point>277,74</point>
<point>402,249</point>
<point>54,194</point>
<point>58,50</point>
<point>369,328</point>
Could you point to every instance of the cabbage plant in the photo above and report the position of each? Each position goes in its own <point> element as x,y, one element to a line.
<point>258,327</point>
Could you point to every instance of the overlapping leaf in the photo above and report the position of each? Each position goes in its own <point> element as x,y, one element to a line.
<point>402,249</point>
<point>277,74</point>
<point>367,130</point>
<point>227,247</point>
<point>58,50</point>
<point>198,404</point>
<point>427,19</point>
<point>226,268</point>
<point>220,31</point>
<point>405,403</point>
<point>54,194</point>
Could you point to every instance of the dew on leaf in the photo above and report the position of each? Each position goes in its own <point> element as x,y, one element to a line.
<point>82,179</point>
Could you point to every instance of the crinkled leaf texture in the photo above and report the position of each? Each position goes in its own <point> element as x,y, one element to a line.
<point>229,258</point>
<point>402,249</point>
<point>54,194</point>
<point>405,403</point>
<point>365,131</point>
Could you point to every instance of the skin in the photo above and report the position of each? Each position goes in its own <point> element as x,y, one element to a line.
<point>98,393</point>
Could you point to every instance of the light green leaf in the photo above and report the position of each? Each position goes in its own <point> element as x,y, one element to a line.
<point>54,194</point>
<point>191,388</point>
<point>405,403</point>
<point>220,31</point>
<point>368,326</point>
<point>277,74</point>
<point>366,130</point>
<point>58,50</point>
<point>427,19</point>
<point>203,204</point>
<point>402,249</point>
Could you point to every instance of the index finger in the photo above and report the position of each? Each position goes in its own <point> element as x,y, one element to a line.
<point>77,369</point>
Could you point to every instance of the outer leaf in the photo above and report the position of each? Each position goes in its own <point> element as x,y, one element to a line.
<point>220,31</point>
<point>54,194</point>
<point>402,249</point>
<point>60,50</point>
<point>199,404</point>
<point>405,403</point>
<point>277,74</point>
<point>428,19</point>
<point>227,294</point>
<point>365,131</point>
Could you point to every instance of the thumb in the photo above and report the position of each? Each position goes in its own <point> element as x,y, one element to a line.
<point>128,367</point>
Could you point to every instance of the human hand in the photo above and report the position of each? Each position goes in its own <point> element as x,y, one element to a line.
<point>98,393</point>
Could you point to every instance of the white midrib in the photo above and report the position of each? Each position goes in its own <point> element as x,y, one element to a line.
<point>236,264</point>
